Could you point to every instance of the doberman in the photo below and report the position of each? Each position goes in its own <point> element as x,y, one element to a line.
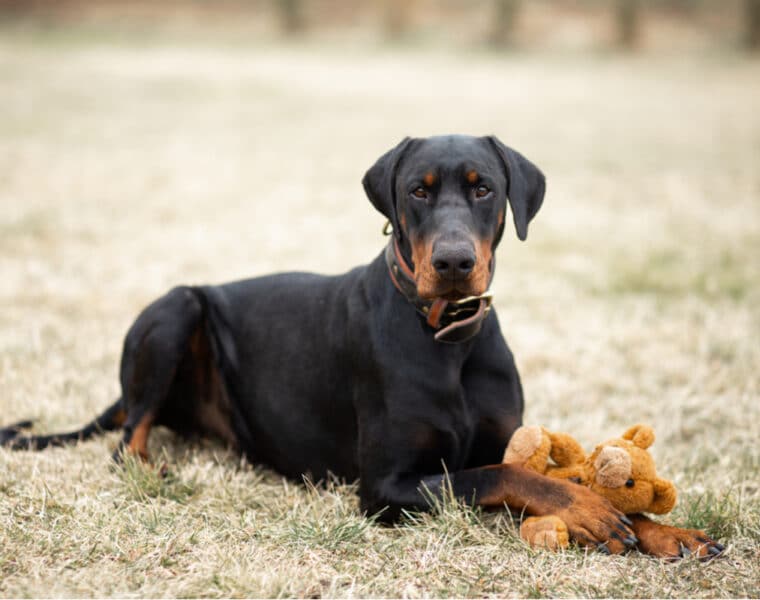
<point>395,373</point>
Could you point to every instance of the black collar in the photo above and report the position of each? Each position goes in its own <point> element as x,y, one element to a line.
<point>455,321</point>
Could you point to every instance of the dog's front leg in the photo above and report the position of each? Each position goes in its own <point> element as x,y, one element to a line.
<point>665,541</point>
<point>591,520</point>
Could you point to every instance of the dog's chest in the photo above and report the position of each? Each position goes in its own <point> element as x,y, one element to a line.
<point>445,438</point>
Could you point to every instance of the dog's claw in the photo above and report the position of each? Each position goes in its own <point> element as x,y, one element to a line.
<point>626,520</point>
<point>685,552</point>
<point>628,539</point>
<point>603,548</point>
<point>714,550</point>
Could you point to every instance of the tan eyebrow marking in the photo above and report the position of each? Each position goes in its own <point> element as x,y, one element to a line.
<point>472,176</point>
<point>429,178</point>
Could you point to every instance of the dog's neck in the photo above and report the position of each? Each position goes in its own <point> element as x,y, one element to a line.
<point>454,322</point>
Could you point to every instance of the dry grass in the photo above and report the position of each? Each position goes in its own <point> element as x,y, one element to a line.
<point>127,168</point>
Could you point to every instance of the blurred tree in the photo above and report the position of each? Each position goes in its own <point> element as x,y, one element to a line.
<point>16,7</point>
<point>291,15</point>
<point>397,17</point>
<point>628,18</point>
<point>752,15</point>
<point>506,12</point>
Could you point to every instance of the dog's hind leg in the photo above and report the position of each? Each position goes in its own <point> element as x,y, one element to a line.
<point>154,349</point>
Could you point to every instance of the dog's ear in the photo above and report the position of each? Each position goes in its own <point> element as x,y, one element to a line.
<point>380,182</point>
<point>526,185</point>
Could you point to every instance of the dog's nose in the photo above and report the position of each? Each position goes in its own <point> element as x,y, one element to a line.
<point>453,260</point>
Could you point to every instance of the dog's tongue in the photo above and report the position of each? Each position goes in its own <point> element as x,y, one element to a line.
<point>436,311</point>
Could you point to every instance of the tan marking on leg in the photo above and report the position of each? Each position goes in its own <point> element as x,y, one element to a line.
<point>138,443</point>
<point>119,418</point>
<point>212,405</point>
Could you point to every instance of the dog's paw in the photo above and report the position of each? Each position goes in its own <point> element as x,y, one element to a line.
<point>593,522</point>
<point>673,543</point>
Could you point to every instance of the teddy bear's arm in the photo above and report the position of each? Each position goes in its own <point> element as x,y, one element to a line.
<point>565,451</point>
<point>574,473</point>
<point>664,497</point>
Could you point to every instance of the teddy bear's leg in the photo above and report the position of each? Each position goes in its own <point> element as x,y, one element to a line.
<point>547,532</point>
<point>665,541</point>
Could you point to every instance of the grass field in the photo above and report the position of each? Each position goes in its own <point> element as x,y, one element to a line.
<point>129,167</point>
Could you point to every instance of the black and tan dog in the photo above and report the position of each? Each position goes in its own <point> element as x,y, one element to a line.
<point>391,373</point>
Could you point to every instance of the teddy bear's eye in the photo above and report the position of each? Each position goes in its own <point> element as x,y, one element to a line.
<point>629,483</point>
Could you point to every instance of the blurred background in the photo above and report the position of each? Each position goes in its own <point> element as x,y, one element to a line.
<point>145,144</point>
<point>538,24</point>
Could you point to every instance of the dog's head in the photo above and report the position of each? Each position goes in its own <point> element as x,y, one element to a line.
<point>446,198</point>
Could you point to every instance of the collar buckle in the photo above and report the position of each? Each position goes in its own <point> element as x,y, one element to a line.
<point>461,306</point>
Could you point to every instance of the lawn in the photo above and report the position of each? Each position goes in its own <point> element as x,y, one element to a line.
<point>129,166</point>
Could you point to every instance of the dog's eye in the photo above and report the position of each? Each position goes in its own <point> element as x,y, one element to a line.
<point>629,483</point>
<point>482,191</point>
<point>420,192</point>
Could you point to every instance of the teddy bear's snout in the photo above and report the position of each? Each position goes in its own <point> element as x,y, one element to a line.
<point>613,467</point>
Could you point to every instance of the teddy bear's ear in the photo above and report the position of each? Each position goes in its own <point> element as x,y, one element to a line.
<point>641,436</point>
<point>664,497</point>
<point>613,467</point>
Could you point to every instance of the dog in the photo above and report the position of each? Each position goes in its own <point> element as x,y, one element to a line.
<point>395,373</point>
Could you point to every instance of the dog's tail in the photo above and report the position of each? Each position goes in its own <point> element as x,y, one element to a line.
<point>110,420</point>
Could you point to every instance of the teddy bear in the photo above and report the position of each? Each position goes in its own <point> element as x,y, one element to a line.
<point>621,470</point>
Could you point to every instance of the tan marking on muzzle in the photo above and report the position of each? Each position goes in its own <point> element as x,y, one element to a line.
<point>481,273</point>
<point>429,281</point>
<point>425,275</point>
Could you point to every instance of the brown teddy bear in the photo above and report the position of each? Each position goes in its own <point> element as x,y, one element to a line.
<point>620,469</point>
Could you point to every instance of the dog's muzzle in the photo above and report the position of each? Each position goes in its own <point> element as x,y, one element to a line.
<point>456,321</point>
